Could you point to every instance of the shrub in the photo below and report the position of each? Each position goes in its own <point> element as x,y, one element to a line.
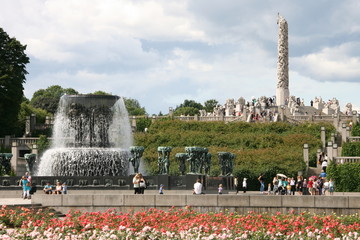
<point>351,149</point>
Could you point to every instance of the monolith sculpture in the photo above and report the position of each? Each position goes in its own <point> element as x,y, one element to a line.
<point>282,88</point>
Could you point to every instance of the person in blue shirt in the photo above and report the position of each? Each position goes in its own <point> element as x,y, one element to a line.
<point>48,188</point>
<point>322,174</point>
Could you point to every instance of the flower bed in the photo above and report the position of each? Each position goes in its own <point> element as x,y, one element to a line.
<point>22,223</point>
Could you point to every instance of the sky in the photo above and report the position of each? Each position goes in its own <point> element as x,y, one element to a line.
<point>161,52</point>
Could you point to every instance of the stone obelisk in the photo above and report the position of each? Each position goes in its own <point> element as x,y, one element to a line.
<point>282,89</point>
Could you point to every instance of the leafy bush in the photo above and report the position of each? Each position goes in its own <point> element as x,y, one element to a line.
<point>351,149</point>
<point>346,176</point>
<point>355,131</point>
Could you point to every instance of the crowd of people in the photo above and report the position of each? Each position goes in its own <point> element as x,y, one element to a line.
<point>58,189</point>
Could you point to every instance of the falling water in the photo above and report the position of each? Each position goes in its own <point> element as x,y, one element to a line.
<point>91,137</point>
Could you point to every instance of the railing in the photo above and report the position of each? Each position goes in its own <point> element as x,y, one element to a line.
<point>342,160</point>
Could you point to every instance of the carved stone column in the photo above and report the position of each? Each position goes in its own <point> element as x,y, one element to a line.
<point>282,89</point>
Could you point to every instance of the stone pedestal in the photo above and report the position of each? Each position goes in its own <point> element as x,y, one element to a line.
<point>165,180</point>
<point>282,95</point>
<point>306,156</point>
<point>329,151</point>
<point>323,137</point>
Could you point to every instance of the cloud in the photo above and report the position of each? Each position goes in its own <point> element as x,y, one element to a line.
<point>340,63</point>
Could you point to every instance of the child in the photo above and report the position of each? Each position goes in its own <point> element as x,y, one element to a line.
<point>220,189</point>
<point>58,188</point>
<point>244,185</point>
<point>64,188</point>
<point>161,189</point>
<point>27,190</point>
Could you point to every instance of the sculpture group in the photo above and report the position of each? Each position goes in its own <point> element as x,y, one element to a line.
<point>198,160</point>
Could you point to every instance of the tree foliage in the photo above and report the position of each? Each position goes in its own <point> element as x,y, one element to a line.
<point>13,62</point>
<point>210,104</point>
<point>48,99</point>
<point>346,176</point>
<point>100,93</point>
<point>191,103</point>
<point>133,107</point>
<point>26,110</point>
<point>189,107</point>
<point>186,111</point>
<point>355,131</point>
<point>351,149</point>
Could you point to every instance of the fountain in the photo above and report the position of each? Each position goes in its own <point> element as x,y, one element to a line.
<point>91,137</point>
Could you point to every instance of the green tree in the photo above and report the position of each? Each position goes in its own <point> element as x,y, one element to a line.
<point>26,110</point>
<point>191,103</point>
<point>13,62</point>
<point>48,99</point>
<point>100,93</point>
<point>210,104</point>
<point>186,111</point>
<point>133,107</point>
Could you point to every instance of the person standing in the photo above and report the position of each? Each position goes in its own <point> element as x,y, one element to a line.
<point>262,183</point>
<point>136,182</point>
<point>24,184</point>
<point>324,164</point>
<point>236,184</point>
<point>142,184</point>
<point>331,186</point>
<point>197,187</point>
<point>244,185</point>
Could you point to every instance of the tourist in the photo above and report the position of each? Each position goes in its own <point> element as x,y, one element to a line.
<point>310,187</point>
<point>322,174</point>
<point>236,184</point>
<point>142,184</point>
<point>320,185</point>
<point>262,183</point>
<point>321,158</point>
<point>331,186</point>
<point>244,185</point>
<point>136,182</point>
<point>326,187</point>
<point>48,188</point>
<point>324,164</point>
<point>275,183</point>
<point>197,187</point>
<point>58,188</point>
<point>161,189</point>
<point>304,187</point>
<point>64,188</point>
<point>220,189</point>
<point>24,182</point>
<point>285,184</point>
<point>292,186</point>
<point>299,184</point>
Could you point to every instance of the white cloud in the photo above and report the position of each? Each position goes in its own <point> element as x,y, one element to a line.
<point>331,64</point>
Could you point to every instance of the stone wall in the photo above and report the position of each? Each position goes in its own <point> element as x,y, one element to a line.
<point>202,203</point>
